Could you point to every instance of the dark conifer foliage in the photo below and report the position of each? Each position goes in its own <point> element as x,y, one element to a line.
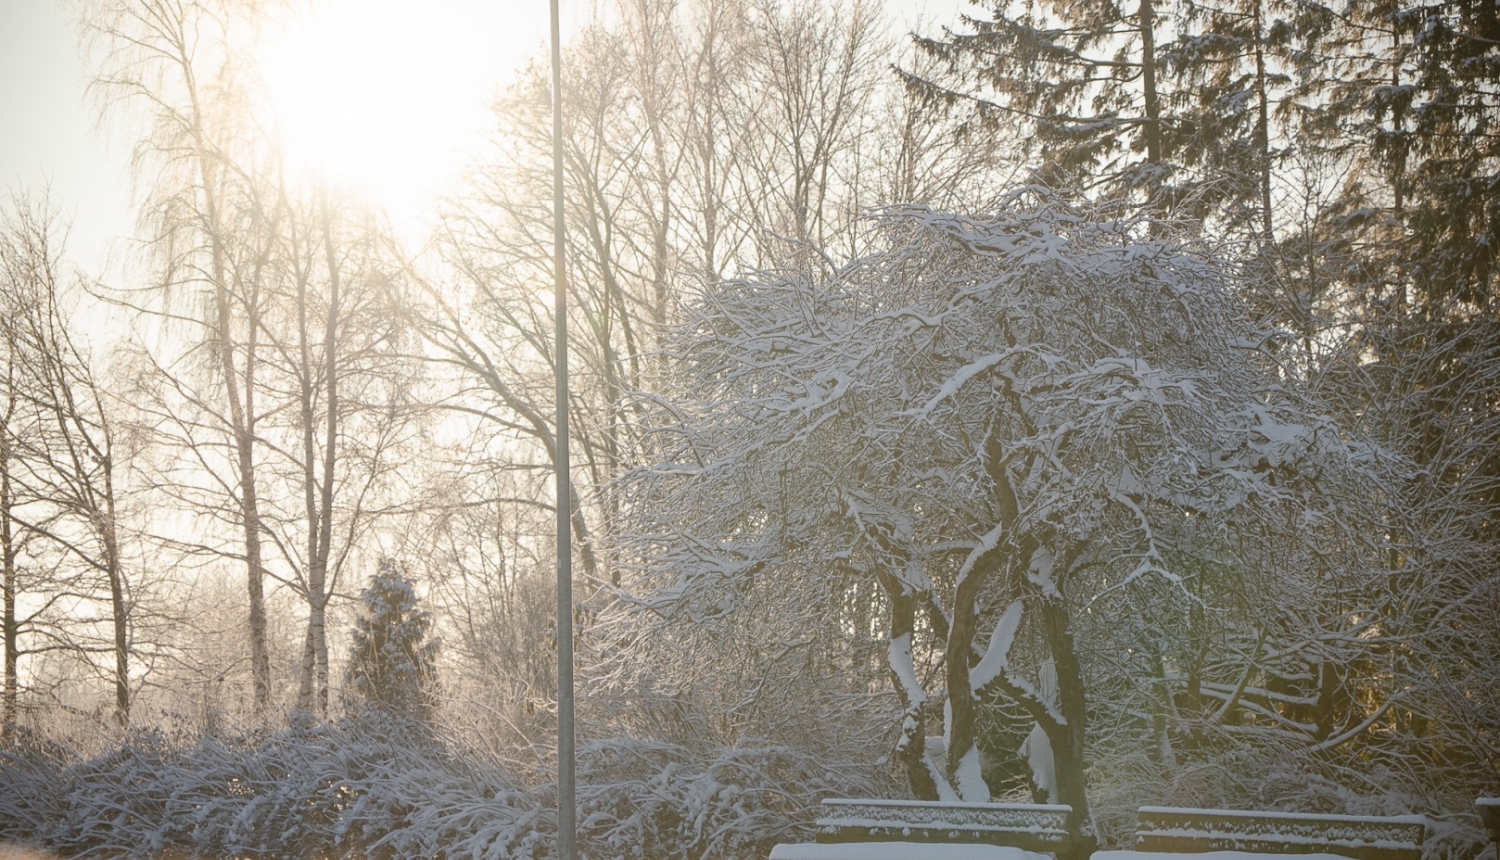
<point>392,663</point>
<point>1083,75</point>
<point>1179,104</point>
<point>1446,153</point>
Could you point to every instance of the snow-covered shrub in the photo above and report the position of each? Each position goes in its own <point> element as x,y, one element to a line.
<point>362,787</point>
<point>379,786</point>
<point>640,800</point>
<point>31,792</point>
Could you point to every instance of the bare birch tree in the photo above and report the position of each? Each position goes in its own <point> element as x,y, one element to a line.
<point>181,67</point>
<point>63,465</point>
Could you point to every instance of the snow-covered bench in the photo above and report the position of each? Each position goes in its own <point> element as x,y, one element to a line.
<point>1178,831</point>
<point>1489,812</point>
<point>851,829</point>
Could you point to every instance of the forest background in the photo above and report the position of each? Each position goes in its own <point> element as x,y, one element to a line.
<point>1193,458</point>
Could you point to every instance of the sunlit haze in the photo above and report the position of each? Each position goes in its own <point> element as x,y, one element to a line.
<point>382,95</point>
<point>879,415</point>
<point>385,96</point>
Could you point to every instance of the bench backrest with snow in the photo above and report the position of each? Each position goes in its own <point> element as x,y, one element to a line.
<point>1489,812</point>
<point>1030,827</point>
<point>1163,829</point>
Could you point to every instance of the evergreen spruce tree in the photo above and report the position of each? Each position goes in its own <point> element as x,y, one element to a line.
<point>1406,96</point>
<point>1405,103</point>
<point>1410,102</point>
<point>392,665</point>
<point>1174,103</point>
<point>1083,74</point>
<point>1428,89</point>
<point>1230,68</point>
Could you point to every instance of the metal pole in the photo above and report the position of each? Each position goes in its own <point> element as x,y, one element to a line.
<point>566,813</point>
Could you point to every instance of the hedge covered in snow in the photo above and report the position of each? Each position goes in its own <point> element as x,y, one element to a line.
<point>380,787</point>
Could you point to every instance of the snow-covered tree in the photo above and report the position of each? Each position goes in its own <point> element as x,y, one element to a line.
<point>1058,447</point>
<point>392,663</point>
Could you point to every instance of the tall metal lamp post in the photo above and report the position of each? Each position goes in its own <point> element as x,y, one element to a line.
<point>566,814</point>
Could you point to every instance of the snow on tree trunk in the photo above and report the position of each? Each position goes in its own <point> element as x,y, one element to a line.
<point>1036,751</point>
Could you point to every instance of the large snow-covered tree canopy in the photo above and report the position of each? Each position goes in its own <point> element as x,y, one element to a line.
<point>1096,514</point>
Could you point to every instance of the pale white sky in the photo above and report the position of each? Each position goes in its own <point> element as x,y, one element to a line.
<point>433,62</point>
<point>46,131</point>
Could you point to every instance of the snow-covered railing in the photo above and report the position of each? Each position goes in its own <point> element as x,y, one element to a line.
<point>1489,812</point>
<point>1030,827</point>
<point>1164,829</point>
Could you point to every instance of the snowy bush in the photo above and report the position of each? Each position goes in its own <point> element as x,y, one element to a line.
<point>380,786</point>
<point>31,792</point>
<point>640,800</point>
<point>360,787</point>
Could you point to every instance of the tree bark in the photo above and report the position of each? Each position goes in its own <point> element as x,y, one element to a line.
<point>1068,739</point>
<point>318,490</point>
<point>241,411</point>
<point>118,604</point>
<point>912,747</point>
<point>1065,736</point>
<point>963,706</point>
<point>1148,81</point>
<point>1263,127</point>
<point>8,571</point>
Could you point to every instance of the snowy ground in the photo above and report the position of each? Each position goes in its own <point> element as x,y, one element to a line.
<point>941,851</point>
<point>900,851</point>
<point>1208,855</point>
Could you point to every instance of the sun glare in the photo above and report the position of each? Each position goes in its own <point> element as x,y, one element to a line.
<point>386,95</point>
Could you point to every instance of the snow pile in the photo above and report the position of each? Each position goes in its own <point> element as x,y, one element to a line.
<point>996,656</point>
<point>900,851</point>
<point>1036,751</point>
<point>1209,855</point>
<point>842,815</point>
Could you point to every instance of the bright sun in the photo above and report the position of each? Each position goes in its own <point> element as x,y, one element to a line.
<point>386,95</point>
